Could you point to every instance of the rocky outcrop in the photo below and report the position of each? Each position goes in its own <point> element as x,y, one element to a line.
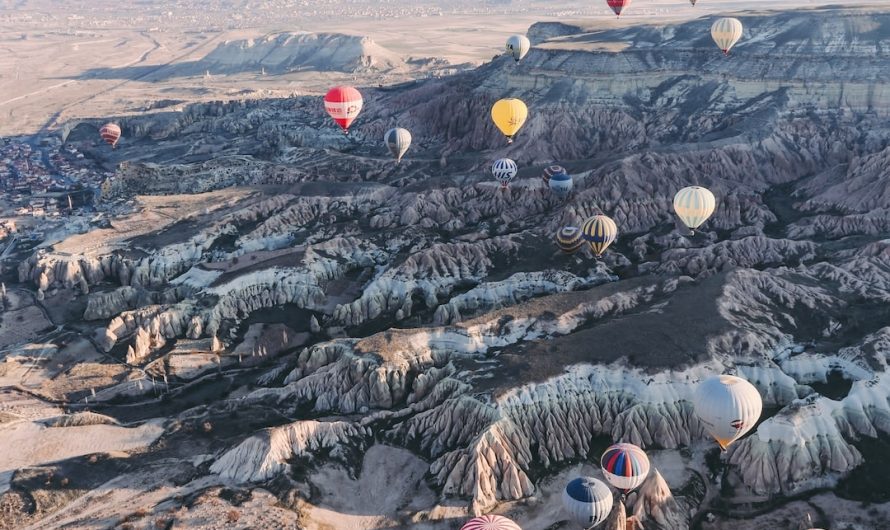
<point>749,252</point>
<point>655,506</point>
<point>285,52</point>
<point>517,288</point>
<point>426,275</point>
<point>617,518</point>
<point>266,454</point>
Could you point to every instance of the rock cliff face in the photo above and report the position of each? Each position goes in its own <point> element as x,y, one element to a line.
<point>345,301</point>
<point>285,52</point>
<point>266,455</point>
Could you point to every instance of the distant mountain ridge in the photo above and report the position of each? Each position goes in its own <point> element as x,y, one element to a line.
<point>288,52</point>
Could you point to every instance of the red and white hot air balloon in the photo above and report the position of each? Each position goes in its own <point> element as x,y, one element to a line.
<point>111,133</point>
<point>490,522</point>
<point>343,103</point>
<point>618,5</point>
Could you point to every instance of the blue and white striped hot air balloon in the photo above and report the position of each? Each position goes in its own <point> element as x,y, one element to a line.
<point>504,170</point>
<point>561,184</point>
<point>588,501</point>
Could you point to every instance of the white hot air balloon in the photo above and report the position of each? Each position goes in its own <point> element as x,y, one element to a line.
<point>504,171</point>
<point>694,205</point>
<point>728,406</point>
<point>726,32</point>
<point>398,141</point>
<point>588,501</point>
<point>518,46</point>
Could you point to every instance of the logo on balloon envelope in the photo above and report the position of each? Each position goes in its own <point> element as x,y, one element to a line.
<point>737,424</point>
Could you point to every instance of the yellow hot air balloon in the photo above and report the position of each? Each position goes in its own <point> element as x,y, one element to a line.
<point>694,205</point>
<point>726,32</point>
<point>509,115</point>
<point>728,406</point>
<point>599,231</point>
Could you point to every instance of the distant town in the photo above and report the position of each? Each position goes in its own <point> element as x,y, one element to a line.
<point>45,184</point>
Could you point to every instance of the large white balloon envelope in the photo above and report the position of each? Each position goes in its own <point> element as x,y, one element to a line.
<point>728,406</point>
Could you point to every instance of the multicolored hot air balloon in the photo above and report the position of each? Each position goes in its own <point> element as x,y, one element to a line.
<point>599,231</point>
<point>569,239</point>
<point>504,170</point>
<point>490,522</point>
<point>694,205</point>
<point>625,466</point>
<point>618,5</point>
<point>110,133</point>
<point>343,103</point>
<point>549,171</point>
<point>518,46</point>
<point>588,501</point>
<point>398,141</point>
<point>561,185</point>
<point>726,32</point>
<point>509,116</point>
<point>728,406</point>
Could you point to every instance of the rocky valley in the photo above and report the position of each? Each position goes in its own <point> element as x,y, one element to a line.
<point>288,330</point>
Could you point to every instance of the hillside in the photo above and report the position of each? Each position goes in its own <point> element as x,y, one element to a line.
<point>329,313</point>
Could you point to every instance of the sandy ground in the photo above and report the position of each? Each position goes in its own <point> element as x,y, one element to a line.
<point>37,444</point>
<point>825,509</point>
<point>391,482</point>
<point>156,214</point>
<point>23,321</point>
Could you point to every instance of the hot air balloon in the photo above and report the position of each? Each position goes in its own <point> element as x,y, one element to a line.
<point>692,2</point>
<point>618,5</point>
<point>549,171</point>
<point>518,46</point>
<point>504,170</point>
<point>569,239</point>
<point>509,115</point>
<point>343,103</point>
<point>694,205</point>
<point>599,231</point>
<point>728,406</point>
<point>726,32</point>
<point>111,133</point>
<point>588,501</point>
<point>490,522</point>
<point>625,466</point>
<point>398,141</point>
<point>561,184</point>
